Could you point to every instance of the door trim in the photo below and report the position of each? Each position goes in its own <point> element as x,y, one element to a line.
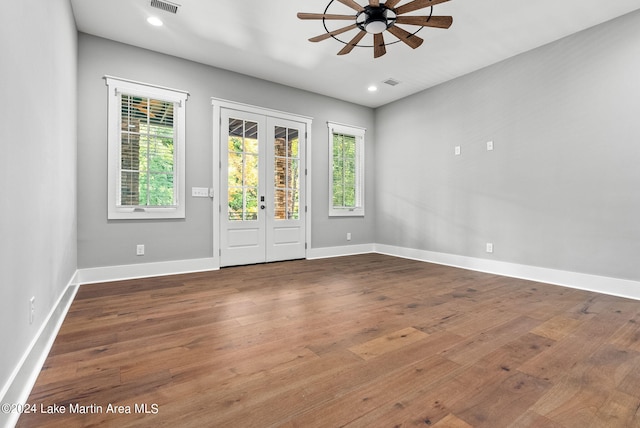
<point>218,104</point>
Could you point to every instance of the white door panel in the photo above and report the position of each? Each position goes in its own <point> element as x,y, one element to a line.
<point>242,222</point>
<point>245,238</point>
<point>285,237</point>
<point>262,197</point>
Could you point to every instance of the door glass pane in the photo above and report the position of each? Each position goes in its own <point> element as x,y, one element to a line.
<point>251,130</point>
<point>280,141</point>
<point>236,203</point>
<point>236,169</point>
<point>250,145</point>
<point>251,171</point>
<point>242,176</point>
<point>251,203</point>
<point>293,173</point>
<point>280,204</point>
<point>294,203</point>
<point>235,144</point>
<point>236,128</point>
<point>280,173</point>
<point>286,173</point>
<point>293,143</point>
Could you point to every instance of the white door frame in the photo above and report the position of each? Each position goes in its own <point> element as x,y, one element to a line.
<point>219,104</point>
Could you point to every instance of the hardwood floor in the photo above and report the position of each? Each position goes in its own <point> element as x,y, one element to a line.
<point>359,341</point>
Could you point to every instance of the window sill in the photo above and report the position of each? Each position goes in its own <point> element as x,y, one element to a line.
<point>353,212</point>
<point>145,213</point>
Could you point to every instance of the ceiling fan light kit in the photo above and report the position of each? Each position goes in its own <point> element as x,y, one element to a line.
<point>375,18</point>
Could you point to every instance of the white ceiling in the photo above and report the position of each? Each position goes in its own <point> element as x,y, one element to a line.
<point>265,39</point>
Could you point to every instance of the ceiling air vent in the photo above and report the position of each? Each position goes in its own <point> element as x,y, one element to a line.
<point>165,5</point>
<point>391,82</point>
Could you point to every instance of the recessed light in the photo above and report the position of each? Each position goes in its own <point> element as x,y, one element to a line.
<point>372,88</point>
<point>155,21</point>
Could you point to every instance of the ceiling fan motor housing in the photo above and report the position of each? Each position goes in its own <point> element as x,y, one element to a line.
<point>375,19</point>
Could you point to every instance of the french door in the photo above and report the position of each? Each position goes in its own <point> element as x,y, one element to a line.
<point>262,198</point>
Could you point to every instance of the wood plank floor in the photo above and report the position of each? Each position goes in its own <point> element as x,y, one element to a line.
<point>359,341</point>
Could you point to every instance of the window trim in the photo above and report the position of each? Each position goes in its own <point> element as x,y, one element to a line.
<point>117,87</point>
<point>359,134</point>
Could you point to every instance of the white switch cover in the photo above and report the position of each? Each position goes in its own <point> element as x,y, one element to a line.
<point>200,192</point>
<point>457,150</point>
<point>489,145</point>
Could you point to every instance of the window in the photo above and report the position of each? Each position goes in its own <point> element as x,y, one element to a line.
<point>346,175</point>
<point>146,136</point>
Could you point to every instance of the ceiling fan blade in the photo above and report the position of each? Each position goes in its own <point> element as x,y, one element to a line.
<point>425,21</point>
<point>352,44</point>
<point>391,3</point>
<point>374,3</point>
<point>378,45</point>
<point>409,39</point>
<point>303,15</point>
<point>333,33</point>
<point>352,4</point>
<point>417,4</point>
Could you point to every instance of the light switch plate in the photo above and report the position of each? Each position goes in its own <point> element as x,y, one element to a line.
<point>200,192</point>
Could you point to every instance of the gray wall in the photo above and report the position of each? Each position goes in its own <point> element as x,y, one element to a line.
<point>562,187</point>
<point>110,243</point>
<point>38,41</point>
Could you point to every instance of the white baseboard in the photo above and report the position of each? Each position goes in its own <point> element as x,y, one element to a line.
<point>346,250</point>
<point>600,284</point>
<point>24,376</point>
<point>144,270</point>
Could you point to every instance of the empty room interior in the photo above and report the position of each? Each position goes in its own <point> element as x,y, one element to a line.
<point>320,214</point>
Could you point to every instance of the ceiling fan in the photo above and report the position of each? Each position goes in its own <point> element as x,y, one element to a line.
<point>376,18</point>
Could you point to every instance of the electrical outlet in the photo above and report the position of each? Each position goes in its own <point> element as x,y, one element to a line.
<point>489,247</point>
<point>32,309</point>
<point>140,250</point>
<point>456,150</point>
<point>489,145</point>
<point>348,236</point>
